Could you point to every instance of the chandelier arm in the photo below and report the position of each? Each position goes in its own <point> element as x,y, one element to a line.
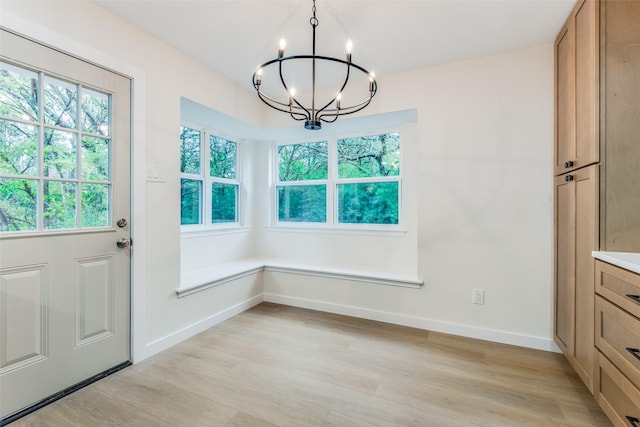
<point>292,99</point>
<point>346,80</point>
<point>345,111</point>
<point>275,105</point>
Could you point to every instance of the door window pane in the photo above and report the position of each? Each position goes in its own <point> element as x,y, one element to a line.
<point>47,149</point>
<point>59,205</point>
<point>302,203</point>
<point>368,203</point>
<point>95,205</point>
<point>224,202</point>
<point>60,103</point>
<point>369,156</point>
<point>95,112</point>
<point>18,148</point>
<point>95,158</point>
<point>59,154</point>
<point>301,162</point>
<point>18,92</point>
<point>189,150</point>
<point>18,204</point>
<point>190,196</point>
<point>222,157</point>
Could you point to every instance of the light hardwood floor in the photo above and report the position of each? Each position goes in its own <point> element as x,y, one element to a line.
<point>278,365</point>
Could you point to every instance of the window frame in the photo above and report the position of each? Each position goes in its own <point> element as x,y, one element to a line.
<point>206,226</point>
<point>332,182</point>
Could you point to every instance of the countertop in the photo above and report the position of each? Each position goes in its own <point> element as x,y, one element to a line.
<point>627,260</point>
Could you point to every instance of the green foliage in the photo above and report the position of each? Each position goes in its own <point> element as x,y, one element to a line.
<point>223,157</point>
<point>189,150</point>
<point>368,203</point>
<point>302,203</point>
<point>18,148</point>
<point>59,205</point>
<point>302,162</point>
<point>224,202</point>
<point>190,196</point>
<point>369,156</point>
<point>18,204</point>
<point>25,194</point>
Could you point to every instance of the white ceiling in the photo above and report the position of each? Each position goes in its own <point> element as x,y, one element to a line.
<point>234,36</point>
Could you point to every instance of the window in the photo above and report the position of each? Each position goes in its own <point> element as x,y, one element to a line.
<point>55,153</point>
<point>209,185</point>
<point>353,180</point>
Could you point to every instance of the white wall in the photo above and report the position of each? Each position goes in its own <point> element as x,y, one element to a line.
<point>484,196</point>
<point>479,190</point>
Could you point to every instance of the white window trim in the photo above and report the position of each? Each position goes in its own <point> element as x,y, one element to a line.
<point>332,225</point>
<point>207,227</point>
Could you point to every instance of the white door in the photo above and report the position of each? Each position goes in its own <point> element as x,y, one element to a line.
<point>64,186</point>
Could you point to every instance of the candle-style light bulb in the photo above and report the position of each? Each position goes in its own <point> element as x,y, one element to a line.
<point>372,76</point>
<point>349,49</point>
<point>338,98</point>
<point>283,44</point>
<point>259,76</point>
<point>292,94</point>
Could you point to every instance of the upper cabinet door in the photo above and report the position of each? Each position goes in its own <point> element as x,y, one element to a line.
<point>576,97</point>
<point>565,96</point>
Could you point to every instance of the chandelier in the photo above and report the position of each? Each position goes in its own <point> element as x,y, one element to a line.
<point>317,111</point>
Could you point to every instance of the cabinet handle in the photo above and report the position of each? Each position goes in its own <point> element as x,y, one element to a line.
<point>568,164</point>
<point>634,298</point>
<point>568,178</point>
<point>634,352</point>
<point>633,421</point>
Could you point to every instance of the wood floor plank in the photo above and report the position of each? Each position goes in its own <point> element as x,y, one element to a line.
<point>283,366</point>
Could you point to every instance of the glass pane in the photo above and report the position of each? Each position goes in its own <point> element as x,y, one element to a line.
<point>18,148</point>
<point>95,205</point>
<point>18,92</point>
<point>95,159</point>
<point>60,103</point>
<point>223,155</point>
<point>224,202</point>
<point>189,150</point>
<point>59,205</point>
<point>190,196</point>
<point>95,112</point>
<point>59,154</point>
<point>18,204</point>
<point>369,156</point>
<point>302,203</point>
<point>298,162</point>
<point>368,203</point>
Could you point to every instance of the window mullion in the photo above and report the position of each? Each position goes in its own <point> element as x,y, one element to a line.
<point>332,203</point>
<point>205,167</point>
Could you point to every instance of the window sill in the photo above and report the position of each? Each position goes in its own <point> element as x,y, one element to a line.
<point>191,232</point>
<point>206,278</point>
<point>339,229</point>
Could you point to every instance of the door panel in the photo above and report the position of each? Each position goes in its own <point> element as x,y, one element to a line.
<point>64,284</point>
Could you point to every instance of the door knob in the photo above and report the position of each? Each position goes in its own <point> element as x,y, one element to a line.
<point>123,242</point>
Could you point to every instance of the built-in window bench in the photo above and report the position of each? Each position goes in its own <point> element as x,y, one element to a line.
<point>199,280</point>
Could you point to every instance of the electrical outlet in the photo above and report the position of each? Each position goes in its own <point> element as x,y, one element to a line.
<point>478,296</point>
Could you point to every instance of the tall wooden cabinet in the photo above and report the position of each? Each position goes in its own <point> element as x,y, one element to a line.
<point>576,185</point>
<point>596,167</point>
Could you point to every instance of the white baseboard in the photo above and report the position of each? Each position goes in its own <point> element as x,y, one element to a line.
<point>538,343</point>
<point>188,331</point>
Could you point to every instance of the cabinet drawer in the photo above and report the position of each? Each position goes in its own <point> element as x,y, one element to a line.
<point>617,397</point>
<point>618,338</point>
<point>619,286</point>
